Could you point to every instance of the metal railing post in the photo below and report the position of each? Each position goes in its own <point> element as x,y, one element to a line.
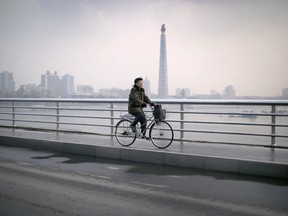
<point>273,127</point>
<point>112,116</point>
<point>13,113</point>
<point>182,119</point>
<point>57,117</point>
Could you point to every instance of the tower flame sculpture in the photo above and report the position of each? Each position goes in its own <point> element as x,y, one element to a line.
<point>163,79</point>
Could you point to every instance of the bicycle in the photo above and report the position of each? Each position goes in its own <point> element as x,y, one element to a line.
<point>160,132</point>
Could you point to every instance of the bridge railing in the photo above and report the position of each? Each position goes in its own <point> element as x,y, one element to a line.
<point>247,122</point>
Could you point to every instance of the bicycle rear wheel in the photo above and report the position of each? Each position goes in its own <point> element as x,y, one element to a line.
<point>124,134</point>
<point>161,134</point>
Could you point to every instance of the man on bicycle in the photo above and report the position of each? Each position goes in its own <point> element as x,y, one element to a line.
<point>137,101</point>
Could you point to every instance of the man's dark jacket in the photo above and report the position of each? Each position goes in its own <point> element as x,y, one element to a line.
<point>137,97</point>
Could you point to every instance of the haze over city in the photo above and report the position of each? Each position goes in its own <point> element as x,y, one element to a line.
<point>210,44</point>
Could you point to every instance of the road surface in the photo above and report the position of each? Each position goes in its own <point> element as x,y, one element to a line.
<point>43,183</point>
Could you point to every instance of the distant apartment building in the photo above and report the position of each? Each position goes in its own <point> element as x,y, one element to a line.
<point>7,84</point>
<point>67,85</point>
<point>147,87</point>
<point>229,92</point>
<point>44,79</point>
<point>57,87</point>
<point>285,93</point>
<point>85,89</point>
<point>113,93</point>
<point>30,90</point>
<point>51,84</point>
<point>214,95</point>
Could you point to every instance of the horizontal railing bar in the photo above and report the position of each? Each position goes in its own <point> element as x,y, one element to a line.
<point>31,107</point>
<point>59,108</point>
<point>5,107</point>
<point>233,114</point>
<point>81,116</point>
<point>6,119</point>
<point>64,116</point>
<point>175,121</point>
<point>70,123</point>
<point>31,114</point>
<point>86,124</point>
<point>231,133</point>
<point>170,111</point>
<point>163,101</point>
<point>228,143</point>
<point>55,115</point>
<point>170,120</point>
<point>238,102</point>
<point>6,113</point>
<point>227,123</point>
<point>64,108</point>
<point>59,130</point>
<point>66,100</point>
<point>200,113</point>
<point>184,130</point>
<point>176,139</point>
<point>34,121</point>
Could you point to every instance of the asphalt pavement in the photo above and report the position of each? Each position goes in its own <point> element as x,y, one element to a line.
<point>34,182</point>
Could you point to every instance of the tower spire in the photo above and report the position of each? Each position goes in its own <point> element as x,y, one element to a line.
<point>163,80</point>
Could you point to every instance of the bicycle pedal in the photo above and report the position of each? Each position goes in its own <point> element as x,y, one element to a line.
<point>139,135</point>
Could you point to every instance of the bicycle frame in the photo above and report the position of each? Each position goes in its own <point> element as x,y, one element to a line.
<point>131,118</point>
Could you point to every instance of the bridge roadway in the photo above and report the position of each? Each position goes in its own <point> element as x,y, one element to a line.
<point>58,184</point>
<point>249,160</point>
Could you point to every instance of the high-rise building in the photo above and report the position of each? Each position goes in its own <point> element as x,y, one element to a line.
<point>51,84</point>
<point>229,92</point>
<point>7,84</point>
<point>163,79</point>
<point>285,93</point>
<point>147,87</point>
<point>67,85</point>
<point>31,90</point>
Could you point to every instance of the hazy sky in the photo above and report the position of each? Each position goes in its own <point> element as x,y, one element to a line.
<point>107,43</point>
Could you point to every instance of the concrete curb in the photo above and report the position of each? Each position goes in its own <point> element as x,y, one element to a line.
<point>231,165</point>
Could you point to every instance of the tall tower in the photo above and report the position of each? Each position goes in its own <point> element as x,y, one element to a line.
<point>163,80</point>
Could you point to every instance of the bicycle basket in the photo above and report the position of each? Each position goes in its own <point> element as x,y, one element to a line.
<point>159,113</point>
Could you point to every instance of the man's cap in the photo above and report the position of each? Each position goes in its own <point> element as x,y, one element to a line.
<point>137,79</point>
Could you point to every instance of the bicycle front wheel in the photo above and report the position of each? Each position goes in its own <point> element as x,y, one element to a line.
<point>161,134</point>
<point>124,134</point>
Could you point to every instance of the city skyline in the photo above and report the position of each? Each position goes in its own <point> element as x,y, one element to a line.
<point>211,44</point>
<point>53,84</point>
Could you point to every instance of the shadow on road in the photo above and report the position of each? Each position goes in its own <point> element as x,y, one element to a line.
<point>144,168</point>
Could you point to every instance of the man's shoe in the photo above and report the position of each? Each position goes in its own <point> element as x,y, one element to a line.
<point>133,128</point>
